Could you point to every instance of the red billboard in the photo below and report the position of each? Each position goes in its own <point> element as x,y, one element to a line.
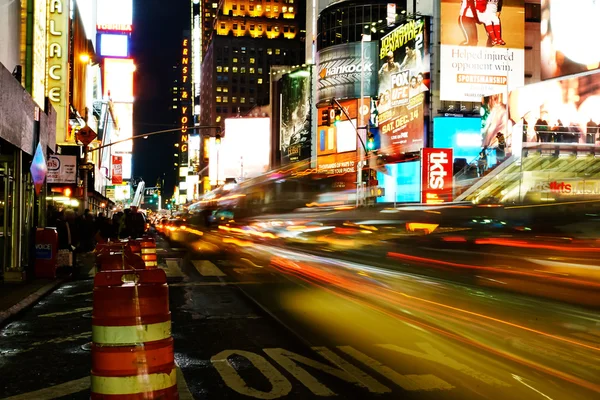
<point>117,170</point>
<point>436,182</point>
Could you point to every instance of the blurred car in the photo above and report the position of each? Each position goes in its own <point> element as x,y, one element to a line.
<point>175,231</point>
<point>160,225</point>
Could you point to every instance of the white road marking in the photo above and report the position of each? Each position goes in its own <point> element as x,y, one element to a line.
<point>53,392</point>
<point>206,268</point>
<point>75,311</point>
<point>182,387</point>
<point>520,380</point>
<point>437,356</point>
<point>407,382</point>
<point>280,386</point>
<point>172,269</point>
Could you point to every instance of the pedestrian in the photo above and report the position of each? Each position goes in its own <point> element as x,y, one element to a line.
<point>138,223</point>
<point>87,229</point>
<point>541,130</point>
<point>591,132</point>
<point>482,162</point>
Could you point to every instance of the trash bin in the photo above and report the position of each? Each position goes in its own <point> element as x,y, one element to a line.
<point>46,249</point>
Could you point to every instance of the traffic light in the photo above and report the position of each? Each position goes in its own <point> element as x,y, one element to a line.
<point>370,141</point>
<point>155,195</point>
<point>338,116</point>
<point>218,138</point>
<point>325,117</point>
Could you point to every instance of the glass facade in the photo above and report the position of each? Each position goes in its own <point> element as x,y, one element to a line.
<point>347,21</point>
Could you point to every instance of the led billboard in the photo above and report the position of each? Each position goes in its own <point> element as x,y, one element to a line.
<point>436,178</point>
<point>463,135</point>
<point>482,48</point>
<point>295,131</point>
<point>118,79</point>
<point>112,45</point>
<point>341,69</point>
<point>558,110</point>
<point>402,183</point>
<point>565,27</point>
<point>114,15</point>
<point>244,152</point>
<point>403,88</point>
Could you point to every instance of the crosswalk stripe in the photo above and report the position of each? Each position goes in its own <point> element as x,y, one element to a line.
<point>206,268</point>
<point>173,270</point>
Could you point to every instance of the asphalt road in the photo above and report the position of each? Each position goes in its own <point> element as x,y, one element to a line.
<point>252,320</point>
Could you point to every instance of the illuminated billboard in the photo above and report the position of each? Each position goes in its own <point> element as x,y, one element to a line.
<point>114,15</point>
<point>295,131</point>
<point>118,79</point>
<point>482,48</point>
<point>463,135</point>
<point>436,175</point>
<point>341,70</point>
<point>57,68</point>
<point>558,110</point>
<point>402,183</point>
<point>244,152</point>
<point>404,80</point>
<point>112,45</point>
<point>565,27</point>
<point>124,115</point>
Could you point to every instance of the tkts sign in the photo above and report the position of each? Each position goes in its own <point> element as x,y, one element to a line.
<point>436,182</point>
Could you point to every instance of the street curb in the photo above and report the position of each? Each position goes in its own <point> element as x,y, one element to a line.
<point>29,301</point>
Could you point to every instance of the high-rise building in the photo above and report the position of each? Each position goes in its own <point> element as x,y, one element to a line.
<point>241,40</point>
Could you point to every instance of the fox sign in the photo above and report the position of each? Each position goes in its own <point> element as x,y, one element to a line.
<point>436,182</point>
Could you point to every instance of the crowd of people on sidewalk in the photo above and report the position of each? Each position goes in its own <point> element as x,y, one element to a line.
<point>81,233</point>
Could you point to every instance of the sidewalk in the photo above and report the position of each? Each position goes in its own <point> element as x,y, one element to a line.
<point>16,297</point>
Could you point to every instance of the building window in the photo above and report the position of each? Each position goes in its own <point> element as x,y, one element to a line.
<point>225,69</point>
<point>276,8</point>
<point>219,88</point>
<point>242,7</point>
<point>286,29</point>
<point>219,68</point>
<point>235,59</point>
<point>251,27</point>
<point>269,51</point>
<point>252,60</point>
<point>215,5</point>
<point>260,81</point>
<point>207,14</point>
<point>251,100</point>
<point>268,28</point>
<point>234,70</point>
<point>277,51</point>
<point>234,7</point>
<point>242,99</point>
<point>276,28</point>
<point>235,26</point>
<point>284,9</point>
<point>260,28</point>
<point>174,107</point>
<point>243,27</point>
<point>268,8</point>
<point>251,70</point>
<point>251,7</point>
<point>222,25</point>
<point>234,99</point>
<point>259,7</point>
<point>292,29</point>
<point>291,9</point>
<point>225,89</point>
<point>260,70</point>
<point>218,99</point>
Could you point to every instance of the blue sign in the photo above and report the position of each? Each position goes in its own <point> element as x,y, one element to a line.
<point>43,251</point>
<point>462,135</point>
<point>403,185</point>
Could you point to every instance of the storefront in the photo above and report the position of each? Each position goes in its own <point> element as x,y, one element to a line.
<point>22,126</point>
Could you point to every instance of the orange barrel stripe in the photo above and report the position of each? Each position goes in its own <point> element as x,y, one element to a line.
<point>127,360</point>
<point>149,252</point>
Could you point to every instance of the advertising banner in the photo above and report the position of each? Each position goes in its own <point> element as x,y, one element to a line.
<point>117,170</point>
<point>38,75</point>
<point>563,49</point>
<point>462,135</point>
<point>558,111</point>
<point>404,79</point>
<point>482,48</point>
<point>61,169</point>
<point>341,69</point>
<point>436,178</point>
<point>296,140</point>
<point>57,72</point>
<point>499,136</point>
<point>402,183</point>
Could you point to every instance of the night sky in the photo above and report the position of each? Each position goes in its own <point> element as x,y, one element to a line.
<point>157,29</point>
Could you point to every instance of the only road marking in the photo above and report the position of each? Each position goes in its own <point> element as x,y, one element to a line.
<point>206,268</point>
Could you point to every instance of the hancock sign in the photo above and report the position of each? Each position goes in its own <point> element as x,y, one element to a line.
<point>436,183</point>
